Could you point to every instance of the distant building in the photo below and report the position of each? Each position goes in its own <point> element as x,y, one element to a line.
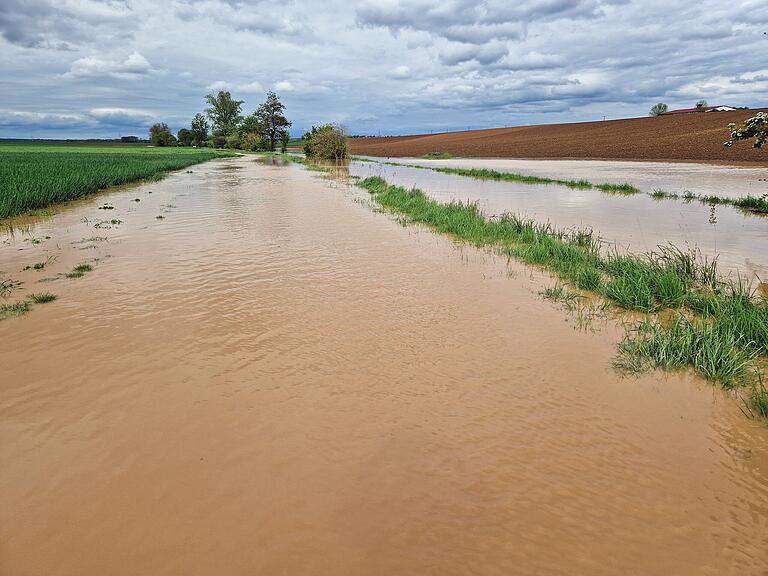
<point>700,109</point>
<point>129,139</point>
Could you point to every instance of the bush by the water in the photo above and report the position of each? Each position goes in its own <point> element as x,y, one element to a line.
<point>326,142</point>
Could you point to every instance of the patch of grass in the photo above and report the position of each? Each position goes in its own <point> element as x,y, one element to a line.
<point>626,188</point>
<point>79,271</point>
<point>753,203</point>
<point>720,328</point>
<point>660,194</point>
<point>8,285</point>
<point>15,309</point>
<point>42,298</point>
<point>436,156</point>
<point>704,346</point>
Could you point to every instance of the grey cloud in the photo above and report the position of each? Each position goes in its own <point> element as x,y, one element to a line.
<point>58,24</point>
<point>100,68</point>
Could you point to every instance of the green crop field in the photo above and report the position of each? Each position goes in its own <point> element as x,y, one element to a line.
<point>36,175</point>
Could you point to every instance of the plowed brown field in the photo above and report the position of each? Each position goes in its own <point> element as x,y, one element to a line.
<point>696,137</point>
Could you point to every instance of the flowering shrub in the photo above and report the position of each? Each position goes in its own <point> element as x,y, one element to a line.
<point>755,127</point>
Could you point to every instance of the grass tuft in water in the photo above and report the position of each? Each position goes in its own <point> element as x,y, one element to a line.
<point>79,271</point>
<point>436,156</point>
<point>15,309</point>
<point>42,298</point>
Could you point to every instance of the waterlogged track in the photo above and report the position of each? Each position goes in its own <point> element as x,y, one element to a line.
<point>274,378</point>
<point>637,223</point>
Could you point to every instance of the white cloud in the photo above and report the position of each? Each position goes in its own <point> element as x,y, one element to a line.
<point>246,88</point>
<point>284,86</point>
<point>133,66</point>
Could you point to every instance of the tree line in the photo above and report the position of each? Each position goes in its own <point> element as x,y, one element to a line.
<point>222,125</point>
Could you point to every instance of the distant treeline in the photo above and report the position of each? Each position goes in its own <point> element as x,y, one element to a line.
<point>222,125</point>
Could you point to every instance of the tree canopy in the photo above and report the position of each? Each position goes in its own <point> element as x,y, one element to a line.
<point>270,117</point>
<point>223,111</point>
<point>658,109</point>
<point>199,129</point>
<point>160,134</point>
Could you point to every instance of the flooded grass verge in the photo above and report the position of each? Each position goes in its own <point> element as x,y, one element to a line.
<point>488,174</point>
<point>22,307</point>
<point>754,204</point>
<point>717,327</point>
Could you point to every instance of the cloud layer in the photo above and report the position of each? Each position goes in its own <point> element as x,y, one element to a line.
<point>102,68</point>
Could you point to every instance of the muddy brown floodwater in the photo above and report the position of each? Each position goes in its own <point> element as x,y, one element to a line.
<point>276,379</point>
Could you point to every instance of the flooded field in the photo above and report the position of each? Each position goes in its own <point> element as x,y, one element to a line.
<point>263,375</point>
<point>636,223</point>
<point>676,177</point>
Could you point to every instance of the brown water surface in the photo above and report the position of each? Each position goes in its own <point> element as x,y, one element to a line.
<point>275,379</point>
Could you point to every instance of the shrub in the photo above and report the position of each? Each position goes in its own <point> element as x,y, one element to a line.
<point>326,142</point>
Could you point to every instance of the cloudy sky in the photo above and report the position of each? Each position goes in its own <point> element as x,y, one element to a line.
<point>104,68</point>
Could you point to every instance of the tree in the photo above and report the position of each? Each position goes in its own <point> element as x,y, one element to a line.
<point>326,142</point>
<point>270,116</point>
<point>285,137</point>
<point>658,109</point>
<point>218,140</point>
<point>701,104</point>
<point>185,137</point>
<point>249,125</point>
<point>160,134</point>
<point>199,129</point>
<point>223,111</point>
<point>755,127</point>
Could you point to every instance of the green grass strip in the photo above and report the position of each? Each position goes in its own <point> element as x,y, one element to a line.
<point>720,329</point>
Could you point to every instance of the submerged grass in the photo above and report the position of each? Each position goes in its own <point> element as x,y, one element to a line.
<point>754,204</point>
<point>15,309</point>
<point>436,156</point>
<point>42,298</point>
<point>79,271</point>
<point>719,328</point>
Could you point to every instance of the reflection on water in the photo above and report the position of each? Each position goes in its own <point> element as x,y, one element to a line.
<point>275,379</point>
<point>637,223</point>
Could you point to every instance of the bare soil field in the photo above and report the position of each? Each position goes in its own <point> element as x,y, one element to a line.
<point>697,137</point>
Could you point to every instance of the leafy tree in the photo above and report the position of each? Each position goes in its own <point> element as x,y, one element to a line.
<point>701,104</point>
<point>658,109</point>
<point>160,134</point>
<point>234,141</point>
<point>223,111</point>
<point>218,140</point>
<point>185,137</point>
<point>285,137</point>
<point>249,125</point>
<point>326,142</point>
<point>270,116</point>
<point>755,127</point>
<point>254,142</point>
<point>199,129</point>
